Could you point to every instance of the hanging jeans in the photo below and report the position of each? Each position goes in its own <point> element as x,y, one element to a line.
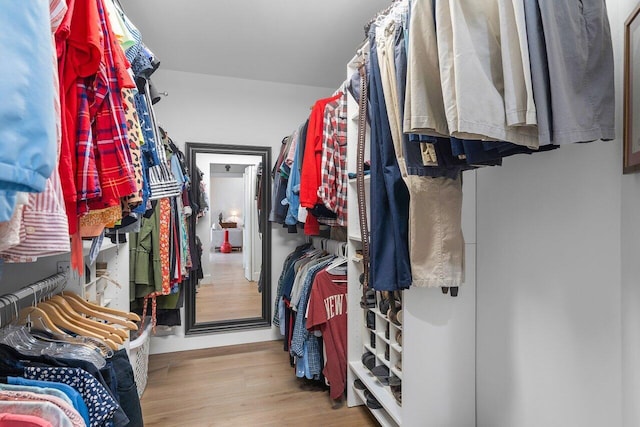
<point>390,266</point>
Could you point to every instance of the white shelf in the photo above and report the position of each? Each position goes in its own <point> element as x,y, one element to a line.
<point>369,348</point>
<point>381,335</point>
<point>396,372</point>
<point>397,347</point>
<point>106,245</point>
<point>378,313</point>
<point>384,361</point>
<point>383,396</point>
<point>355,238</point>
<point>356,259</point>
<point>380,414</point>
<point>393,325</point>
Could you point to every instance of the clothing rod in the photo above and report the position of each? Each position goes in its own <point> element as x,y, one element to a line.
<point>12,303</point>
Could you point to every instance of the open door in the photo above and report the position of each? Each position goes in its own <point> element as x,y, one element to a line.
<point>252,252</point>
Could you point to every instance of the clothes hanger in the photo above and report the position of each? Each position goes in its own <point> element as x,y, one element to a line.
<point>85,322</point>
<point>29,315</point>
<point>78,308</point>
<point>63,322</point>
<point>34,317</point>
<point>120,313</point>
<point>338,261</point>
<point>20,338</point>
<point>83,309</point>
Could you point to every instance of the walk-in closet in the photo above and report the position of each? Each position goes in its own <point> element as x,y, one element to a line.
<point>414,213</point>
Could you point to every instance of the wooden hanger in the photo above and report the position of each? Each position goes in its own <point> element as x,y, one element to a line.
<point>126,314</point>
<point>70,308</point>
<point>38,319</point>
<point>31,314</point>
<point>109,331</point>
<point>85,309</point>
<point>63,322</point>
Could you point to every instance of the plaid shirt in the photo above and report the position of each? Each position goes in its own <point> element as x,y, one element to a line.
<point>300,333</point>
<point>334,177</point>
<point>87,179</point>
<point>108,134</point>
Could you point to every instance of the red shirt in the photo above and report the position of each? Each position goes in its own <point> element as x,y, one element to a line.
<point>327,310</point>
<point>80,54</point>
<point>310,177</point>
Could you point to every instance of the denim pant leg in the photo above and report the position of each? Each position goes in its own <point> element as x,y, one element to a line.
<point>390,266</point>
<point>127,389</point>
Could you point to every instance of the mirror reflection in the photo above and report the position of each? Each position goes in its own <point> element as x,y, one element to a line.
<point>231,237</point>
<point>232,254</point>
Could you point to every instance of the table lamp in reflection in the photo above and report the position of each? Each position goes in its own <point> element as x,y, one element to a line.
<point>234,216</point>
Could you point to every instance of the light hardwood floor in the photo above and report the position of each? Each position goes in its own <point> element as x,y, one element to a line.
<point>243,385</point>
<point>227,294</point>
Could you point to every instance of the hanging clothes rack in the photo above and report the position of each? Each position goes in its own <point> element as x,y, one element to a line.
<point>12,303</point>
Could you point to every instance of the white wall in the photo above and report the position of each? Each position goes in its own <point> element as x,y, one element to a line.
<point>201,108</point>
<point>630,243</point>
<point>439,338</point>
<point>227,195</point>
<point>548,316</point>
<point>549,319</point>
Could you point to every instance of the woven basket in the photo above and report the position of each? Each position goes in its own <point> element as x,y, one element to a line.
<point>229,224</point>
<point>139,357</point>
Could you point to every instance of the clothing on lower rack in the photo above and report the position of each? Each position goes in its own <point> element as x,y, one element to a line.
<point>307,333</point>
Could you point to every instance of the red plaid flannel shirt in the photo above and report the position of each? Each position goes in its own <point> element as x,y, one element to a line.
<point>334,177</point>
<point>107,136</point>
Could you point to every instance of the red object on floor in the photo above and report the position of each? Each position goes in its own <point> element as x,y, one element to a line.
<point>225,247</point>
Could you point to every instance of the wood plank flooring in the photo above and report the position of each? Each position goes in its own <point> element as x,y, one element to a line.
<point>227,294</point>
<point>243,385</point>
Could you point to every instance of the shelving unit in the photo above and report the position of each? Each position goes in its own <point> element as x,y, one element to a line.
<point>359,336</point>
<point>100,290</point>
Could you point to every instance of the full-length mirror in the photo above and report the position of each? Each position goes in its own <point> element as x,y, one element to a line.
<point>232,289</point>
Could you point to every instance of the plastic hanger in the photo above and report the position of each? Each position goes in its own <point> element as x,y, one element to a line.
<point>105,313</point>
<point>337,262</point>
<point>90,349</point>
<point>32,315</point>
<point>20,337</point>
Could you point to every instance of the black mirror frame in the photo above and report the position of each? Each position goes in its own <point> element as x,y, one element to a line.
<point>264,321</point>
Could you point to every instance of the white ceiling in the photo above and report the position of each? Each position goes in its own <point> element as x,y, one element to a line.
<point>306,42</point>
